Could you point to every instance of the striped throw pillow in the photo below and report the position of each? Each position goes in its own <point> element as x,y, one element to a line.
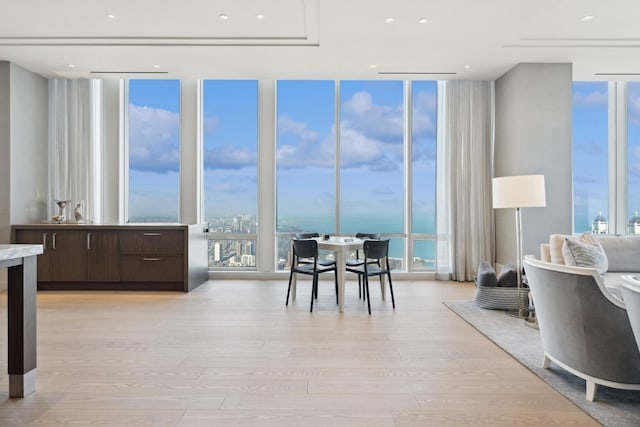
<point>586,252</point>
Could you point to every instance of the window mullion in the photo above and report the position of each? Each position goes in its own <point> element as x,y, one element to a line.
<point>408,241</point>
<point>336,97</point>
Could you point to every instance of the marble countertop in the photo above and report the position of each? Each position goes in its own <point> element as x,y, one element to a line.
<point>8,252</point>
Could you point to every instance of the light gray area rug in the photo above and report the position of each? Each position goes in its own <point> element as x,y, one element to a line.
<point>612,407</point>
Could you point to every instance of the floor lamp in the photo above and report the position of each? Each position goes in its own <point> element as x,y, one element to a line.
<point>522,191</point>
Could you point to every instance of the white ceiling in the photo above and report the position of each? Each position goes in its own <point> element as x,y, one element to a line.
<point>315,39</point>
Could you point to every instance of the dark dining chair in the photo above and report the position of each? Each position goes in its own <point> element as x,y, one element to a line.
<point>308,250</point>
<point>359,261</point>
<point>377,250</point>
<point>321,261</point>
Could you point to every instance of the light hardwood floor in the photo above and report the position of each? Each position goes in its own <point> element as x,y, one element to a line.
<point>231,354</point>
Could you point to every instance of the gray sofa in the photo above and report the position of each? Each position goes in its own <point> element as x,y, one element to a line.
<point>623,255</point>
<point>584,328</point>
<point>630,288</point>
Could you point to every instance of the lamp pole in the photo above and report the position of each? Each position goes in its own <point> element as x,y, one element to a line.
<point>522,312</point>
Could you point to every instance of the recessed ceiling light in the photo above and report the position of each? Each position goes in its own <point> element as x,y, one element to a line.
<point>224,16</point>
<point>156,66</point>
<point>423,20</point>
<point>467,66</point>
<point>587,18</point>
<point>389,20</point>
<point>110,16</point>
<point>259,16</point>
<point>71,65</point>
<point>373,66</point>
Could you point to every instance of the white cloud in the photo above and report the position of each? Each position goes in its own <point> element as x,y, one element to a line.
<point>590,99</point>
<point>229,157</point>
<point>300,130</point>
<point>378,122</point>
<point>309,149</point>
<point>371,136</point>
<point>153,139</point>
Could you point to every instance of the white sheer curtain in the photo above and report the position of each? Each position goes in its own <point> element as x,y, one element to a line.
<point>74,136</point>
<point>465,225</point>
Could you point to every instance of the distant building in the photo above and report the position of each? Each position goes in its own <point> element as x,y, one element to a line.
<point>633,227</point>
<point>600,225</point>
<point>248,260</point>
<point>216,251</point>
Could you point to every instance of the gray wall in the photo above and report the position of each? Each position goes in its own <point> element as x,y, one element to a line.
<point>24,98</point>
<point>5,153</point>
<point>533,136</point>
<point>29,146</point>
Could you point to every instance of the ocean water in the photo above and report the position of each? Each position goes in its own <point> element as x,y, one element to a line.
<point>424,249</point>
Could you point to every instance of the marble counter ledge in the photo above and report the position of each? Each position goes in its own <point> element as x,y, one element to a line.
<point>8,252</point>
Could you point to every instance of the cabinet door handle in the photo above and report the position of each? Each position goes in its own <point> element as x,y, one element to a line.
<point>88,241</point>
<point>44,241</point>
<point>152,234</point>
<point>151,259</point>
<point>53,241</point>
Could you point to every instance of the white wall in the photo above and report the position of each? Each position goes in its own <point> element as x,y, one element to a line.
<point>533,136</point>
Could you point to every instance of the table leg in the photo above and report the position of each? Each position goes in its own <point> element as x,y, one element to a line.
<point>383,281</point>
<point>294,283</point>
<point>341,265</point>
<point>21,307</point>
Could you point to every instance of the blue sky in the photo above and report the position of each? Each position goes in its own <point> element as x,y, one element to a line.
<point>590,152</point>
<point>633,149</point>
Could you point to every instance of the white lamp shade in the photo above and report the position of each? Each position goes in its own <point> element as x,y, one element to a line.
<point>521,191</point>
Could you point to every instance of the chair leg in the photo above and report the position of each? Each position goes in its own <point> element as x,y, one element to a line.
<point>289,288</point>
<point>393,301</point>
<point>336,282</point>
<point>359,286</point>
<point>314,290</point>
<point>366,284</point>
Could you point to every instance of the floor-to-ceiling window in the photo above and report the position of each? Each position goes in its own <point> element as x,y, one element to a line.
<point>230,144</point>
<point>305,161</point>
<point>633,157</point>
<point>372,161</point>
<point>590,154</point>
<point>423,174</point>
<point>154,151</point>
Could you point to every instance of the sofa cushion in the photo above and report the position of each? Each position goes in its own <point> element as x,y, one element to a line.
<point>623,252</point>
<point>585,252</point>
<point>555,248</point>
<point>486,275</point>
<point>545,252</point>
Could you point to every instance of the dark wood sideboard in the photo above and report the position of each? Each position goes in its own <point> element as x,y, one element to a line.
<point>145,257</point>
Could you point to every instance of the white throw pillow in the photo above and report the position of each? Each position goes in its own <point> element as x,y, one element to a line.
<point>555,248</point>
<point>585,251</point>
